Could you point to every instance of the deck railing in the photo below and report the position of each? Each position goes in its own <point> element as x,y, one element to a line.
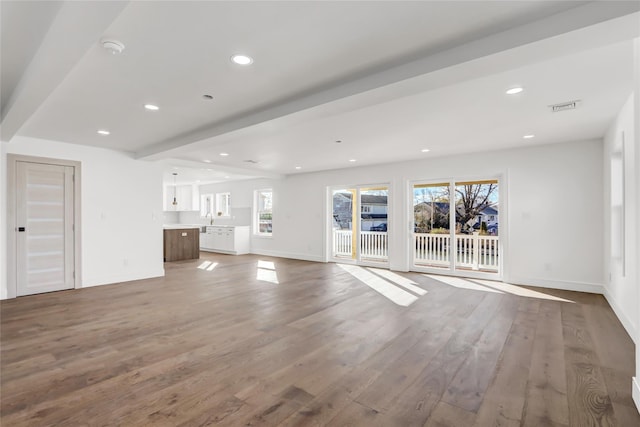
<point>473,252</point>
<point>373,244</point>
<point>342,243</point>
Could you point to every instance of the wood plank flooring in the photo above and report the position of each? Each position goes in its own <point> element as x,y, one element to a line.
<point>259,341</point>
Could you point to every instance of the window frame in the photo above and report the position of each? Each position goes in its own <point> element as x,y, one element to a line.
<point>219,212</point>
<point>210,205</point>
<point>257,212</point>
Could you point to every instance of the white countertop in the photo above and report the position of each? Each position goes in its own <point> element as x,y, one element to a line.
<point>180,226</point>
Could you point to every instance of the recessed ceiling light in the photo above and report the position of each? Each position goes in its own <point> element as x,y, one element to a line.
<point>207,161</point>
<point>298,167</point>
<point>352,160</point>
<point>528,136</point>
<point>224,154</point>
<point>425,150</point>
<point>514,90</point>
<point>242,59</point>
<point>103,132</point>
<point>151,107</point>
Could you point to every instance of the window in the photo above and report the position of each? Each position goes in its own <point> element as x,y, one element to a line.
<point>263,212</point>
<point>223,204</point>
<point>206,205</point>
<point>215,205</point>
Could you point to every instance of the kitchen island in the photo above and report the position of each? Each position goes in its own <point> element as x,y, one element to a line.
<point>181,242</point>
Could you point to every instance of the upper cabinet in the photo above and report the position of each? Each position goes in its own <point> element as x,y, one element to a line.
<point>187,198</point>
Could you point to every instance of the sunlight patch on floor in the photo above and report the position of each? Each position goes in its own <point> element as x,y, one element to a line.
<point>520,291</point>
<point>389,290</point>
<point>208,265</point>
<point>266,264</point>
<point>399,280</point>
<point>459,282</point>
<point>267,272</point>
<point>493,286</point>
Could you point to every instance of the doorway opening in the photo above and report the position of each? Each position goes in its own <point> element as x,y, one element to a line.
<point>456,227</point>
<point>360,224</point>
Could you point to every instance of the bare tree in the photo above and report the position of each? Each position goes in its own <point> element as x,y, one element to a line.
<point>472,199</point>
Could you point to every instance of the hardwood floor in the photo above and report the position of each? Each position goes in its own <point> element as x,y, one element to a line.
<point>310,345</point>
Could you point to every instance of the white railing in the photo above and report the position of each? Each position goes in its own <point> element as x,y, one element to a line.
<point>472,251</point>
<point>373,245</point>
<point>342,243</point>
<point>432,248</point>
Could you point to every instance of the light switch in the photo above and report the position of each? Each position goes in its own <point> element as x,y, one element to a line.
<point>184,234</point>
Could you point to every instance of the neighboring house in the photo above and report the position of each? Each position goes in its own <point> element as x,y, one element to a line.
<point>373,211</point>
<point>488,215</point>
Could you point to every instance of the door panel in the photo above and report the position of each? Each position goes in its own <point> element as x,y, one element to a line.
<point>360,224</point>
<point>374,206</point>
<point>44,211</point>
<point>455,226</point>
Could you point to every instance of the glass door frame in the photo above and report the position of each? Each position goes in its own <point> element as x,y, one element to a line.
<point>452,270</point>
<point>356,212</point>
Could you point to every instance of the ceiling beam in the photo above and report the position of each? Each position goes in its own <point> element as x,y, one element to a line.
<point>231,170</point>
<point>56,57</point>
<point>573,19</point>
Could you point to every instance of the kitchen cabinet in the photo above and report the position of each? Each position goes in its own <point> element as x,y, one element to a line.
<point>181,243</point>
<point>226,239</point>
<point>187,196</point>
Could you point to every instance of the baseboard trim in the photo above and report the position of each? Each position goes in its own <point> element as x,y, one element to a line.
<point>290,255</point>
<point>592,288</point>
<point>635,392</point>
<point>626,323</point>
<point>120,278</point>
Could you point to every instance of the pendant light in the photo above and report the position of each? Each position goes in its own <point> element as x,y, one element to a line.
<point>175,202</point>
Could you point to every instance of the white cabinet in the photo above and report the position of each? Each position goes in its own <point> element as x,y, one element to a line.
<point>226,239</point>
<point>187,196</point>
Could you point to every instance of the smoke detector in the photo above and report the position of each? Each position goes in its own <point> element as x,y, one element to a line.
<point>114,47</point>
<point>564,106</point>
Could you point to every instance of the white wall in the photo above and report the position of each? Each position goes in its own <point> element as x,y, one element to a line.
<point>552,220</point>
<point>621,287</point>
<point>121,211</point>
<point>636,164</point>
<point>3,222</point>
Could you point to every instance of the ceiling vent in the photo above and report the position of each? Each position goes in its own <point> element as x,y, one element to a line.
<point>251,161</point>
<point>571,105</point>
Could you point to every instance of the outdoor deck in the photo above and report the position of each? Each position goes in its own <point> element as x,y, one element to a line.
<point>473,252</point>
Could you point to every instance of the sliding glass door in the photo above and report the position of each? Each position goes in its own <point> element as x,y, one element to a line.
<point>456,227</point>
<point>360,224</point>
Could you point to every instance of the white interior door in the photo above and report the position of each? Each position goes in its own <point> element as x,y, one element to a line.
<point>44,232</point>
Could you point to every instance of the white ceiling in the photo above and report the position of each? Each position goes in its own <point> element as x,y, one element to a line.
<point>386,78</point>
